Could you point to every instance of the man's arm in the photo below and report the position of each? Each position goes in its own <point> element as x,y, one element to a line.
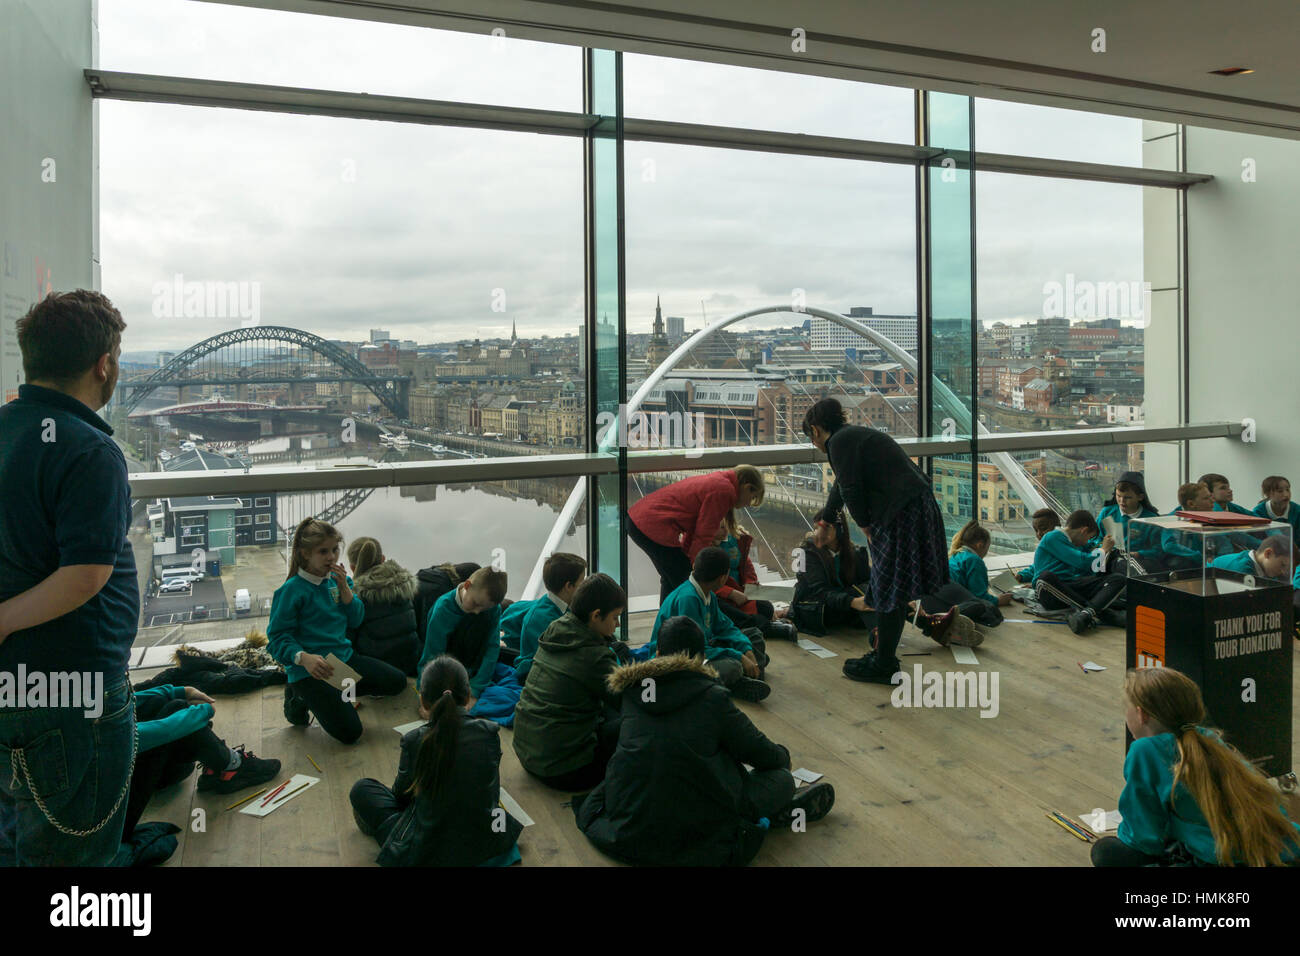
<point>61,593</point>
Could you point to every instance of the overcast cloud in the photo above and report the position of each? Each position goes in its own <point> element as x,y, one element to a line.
<point>350,225</point>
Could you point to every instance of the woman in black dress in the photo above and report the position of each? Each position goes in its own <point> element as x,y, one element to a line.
<point>890,499</point>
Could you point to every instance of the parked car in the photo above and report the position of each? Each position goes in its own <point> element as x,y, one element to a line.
<point>175,586</point>
<point>243,603</point>
<point>199,613</point>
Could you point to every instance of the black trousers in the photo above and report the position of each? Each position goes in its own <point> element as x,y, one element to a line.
<point>585,778</point>
<point>766,793</point>
<point>981,612</point>
<point>1111,851</point>
<point>172,762</point>
<point>673,565</point>
<point>1095,591</point>
<point>890,632</point>
<point>375,808</point>
<point>337,717</point>
<point>743,620</point>
<point>731,670</point>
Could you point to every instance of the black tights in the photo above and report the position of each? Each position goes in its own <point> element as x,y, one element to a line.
<point>890,630</point>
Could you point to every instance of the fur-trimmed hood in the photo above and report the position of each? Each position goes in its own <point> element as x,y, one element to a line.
<point>626,676</point>
<point>385,583</point>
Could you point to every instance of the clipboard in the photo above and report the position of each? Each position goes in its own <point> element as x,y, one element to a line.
<point>1006,582</point>
<point>341,673</point>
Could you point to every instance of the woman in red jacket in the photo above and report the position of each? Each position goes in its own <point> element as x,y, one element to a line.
<point>672,525</point>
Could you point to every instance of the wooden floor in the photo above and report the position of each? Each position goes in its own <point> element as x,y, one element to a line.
<point>930,787</point>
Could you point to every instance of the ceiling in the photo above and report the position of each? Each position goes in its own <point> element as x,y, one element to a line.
<point>1156,63</point>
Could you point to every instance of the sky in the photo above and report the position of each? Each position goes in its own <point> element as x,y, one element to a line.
<point>339,226</point>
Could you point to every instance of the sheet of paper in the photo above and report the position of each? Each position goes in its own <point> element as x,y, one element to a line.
<point>514,809</point>
<point>812,647</point>
<point>1092,666</point>
<point>1005,582</point>
<point>963,655</point>
<point>341,673</point>
<point>407,728</point>
<point>807,776</point>
<point>255,808</point>
<point>1113,528</point>
<point>1099,820</point>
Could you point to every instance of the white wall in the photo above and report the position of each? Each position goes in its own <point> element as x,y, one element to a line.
<point>47,232</point>
<point>1244,285</point>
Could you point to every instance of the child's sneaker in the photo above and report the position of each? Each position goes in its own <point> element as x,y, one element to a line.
<point>1082,620</point>
<point>251,771</point>
<point>870,670</point>
<point>940,624</point>
<point>780,630</point>
<point>295,708</point>
<point>751,690</point>
<point>815,801</point>
<point>965,633</point>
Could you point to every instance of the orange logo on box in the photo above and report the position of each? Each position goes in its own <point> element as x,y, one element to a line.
<point>1150,637</point>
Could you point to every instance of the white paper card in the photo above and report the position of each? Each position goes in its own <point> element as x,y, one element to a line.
<point>807,776</point>
<point>341,673</point>
<point>1092,666</point>
<point>407,728</point>
<point>963,655</point>
<point>514,809</point>
<point>1099,820</point>
<point>812,647</point>
<point>255,808</point>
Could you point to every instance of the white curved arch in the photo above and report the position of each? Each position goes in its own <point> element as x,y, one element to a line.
<point>1015,474</point>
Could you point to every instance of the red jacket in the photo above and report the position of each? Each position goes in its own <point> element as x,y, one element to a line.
<point>687,513</point>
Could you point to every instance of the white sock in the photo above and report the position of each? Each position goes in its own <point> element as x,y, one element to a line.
<point>236,758</point>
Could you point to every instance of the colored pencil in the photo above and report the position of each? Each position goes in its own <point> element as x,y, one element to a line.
<point>1077,828</point>
<point>1067,829</point>
<point>246,799</point>
<point>315,764</point>
<point>272,794</point>
<point>285,796</point>
<point>1081,667</point>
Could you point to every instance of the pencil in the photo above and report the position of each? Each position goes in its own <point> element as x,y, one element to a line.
<point>1067,829</point>
<point>319,770</point>
<point>246,799</point>
<point>1077,828</point>
<point>285,796</point>
<point>1080,663</point>
<point>270,795</point>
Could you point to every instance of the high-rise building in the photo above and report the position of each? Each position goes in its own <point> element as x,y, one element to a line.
<point>676,329</point>
<point>379,335</point>
<point>899,329</point>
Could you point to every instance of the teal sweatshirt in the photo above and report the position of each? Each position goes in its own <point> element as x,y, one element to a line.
<point>154,733</point>
<point>968,569</point>
<point>512,623</point>
<point>1151,822</point>
<point>541,614</point>
<point>1141,541</point>
<point>724,638</point>
<point>444,618</point>
<point>1242,562</point>
<point>1058,554</point>
<point>1292,516</point>
<point>1232,506</point>
<point>306,616</point>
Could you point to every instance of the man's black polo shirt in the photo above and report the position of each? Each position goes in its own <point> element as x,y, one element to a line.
<point>64,500</point>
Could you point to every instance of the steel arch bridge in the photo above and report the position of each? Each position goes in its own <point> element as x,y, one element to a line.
<point>224,359</point>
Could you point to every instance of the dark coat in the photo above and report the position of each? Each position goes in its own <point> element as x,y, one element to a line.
<point>874,478</point>
<point>431,584</point>
<point>672,793</point>
<point>821,598</point>
<point>389,631</point>
<point>456,828</point>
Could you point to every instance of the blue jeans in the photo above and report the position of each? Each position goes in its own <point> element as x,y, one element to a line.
<point>78,768</point>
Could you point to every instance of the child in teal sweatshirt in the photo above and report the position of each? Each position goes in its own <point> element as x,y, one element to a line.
<point>310,616</point>
<point>561,575</point>
<point>466,623</point>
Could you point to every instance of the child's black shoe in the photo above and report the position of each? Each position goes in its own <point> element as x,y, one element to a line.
<point>1082,620</point>
<point>870,670</point>
<point>251,771</point>
<point>815,801</point>
<point>751,690</point>
<point>295,708</point>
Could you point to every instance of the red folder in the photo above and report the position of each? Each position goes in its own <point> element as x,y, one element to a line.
<point>1221,517</point>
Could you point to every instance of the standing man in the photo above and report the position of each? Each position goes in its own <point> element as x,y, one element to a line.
<point>69,598</point>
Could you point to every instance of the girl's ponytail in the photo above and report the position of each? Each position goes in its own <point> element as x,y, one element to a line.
<point>445,681</point>
<point>968,536</point>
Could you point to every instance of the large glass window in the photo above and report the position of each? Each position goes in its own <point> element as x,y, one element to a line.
<point>1022,129</point>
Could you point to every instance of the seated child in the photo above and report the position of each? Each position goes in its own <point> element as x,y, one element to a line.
<point>677,792</point>
<point>1193,496</point>
<point>1064,575</point>
<point>1271,559</point>
<point>443,808</point>
<point>1221,492</point>
<point>388,632</point>
<point>1128,501</point>
<point>832,579</point>
<point>736,541</point>
<point>1043,521</point>
<point>1277,504</point>
<point>561,574</point>
<point>969,584</point>
<point>738,658</point>
<point>566,723</point>
<point>1188,797</point>
<point>310,616</point>
<point>173,728</point>
<point>432,583</point>
<point>466,623</point>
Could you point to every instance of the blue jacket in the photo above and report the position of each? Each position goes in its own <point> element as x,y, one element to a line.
<point>309,617</point>
<point>1292,516</point>
<point>1061,556</point>
<point>724,638</point>
<point>154,733</point>
<point>968,569</point>
<point>542,613</point>
<point>1152,823</point>
<point>512,623</point>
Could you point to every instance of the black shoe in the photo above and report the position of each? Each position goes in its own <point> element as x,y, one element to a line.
<point>815,801</point>
<point>251,771</point>
<point>1082,620</point>
<point>295,708</point>
<point>751,690</point>
<point>869,670</point>
<point>780,631</point>
<point>1112,617</point>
